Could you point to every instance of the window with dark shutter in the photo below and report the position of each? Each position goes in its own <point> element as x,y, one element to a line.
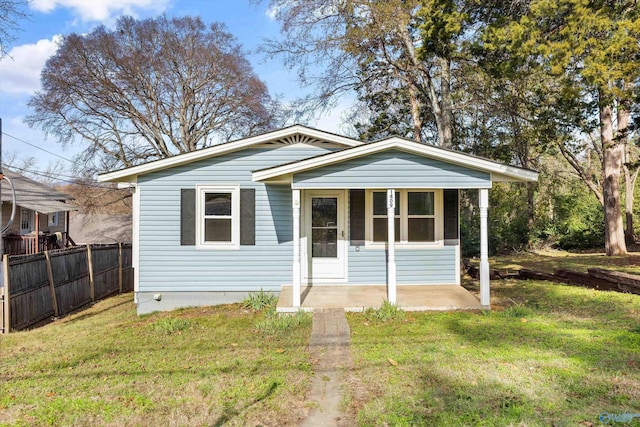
<point>450,214</point>
<point>247,216</point>
<point>188,216</point>
<point>356,217</point>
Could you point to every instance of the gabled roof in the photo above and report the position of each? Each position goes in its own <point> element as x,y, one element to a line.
<point>291,134</point>
<point>498,171</point>
<point>35,195</point>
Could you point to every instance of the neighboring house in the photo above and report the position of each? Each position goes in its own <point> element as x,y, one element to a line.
<point>100,228</point>
<point>301,207</point>
<point>41,218</point>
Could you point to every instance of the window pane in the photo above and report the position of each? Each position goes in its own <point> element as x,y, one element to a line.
<point>217,204</point>
<point>380,203</point>
<point>380,230</point>
<point>217,230</point>
<point>324,212</point>
<point>324,243</point>
<point>421,230</point>
<point>421,203</point>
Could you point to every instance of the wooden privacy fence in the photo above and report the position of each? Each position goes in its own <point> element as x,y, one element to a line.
<point>40,287</point>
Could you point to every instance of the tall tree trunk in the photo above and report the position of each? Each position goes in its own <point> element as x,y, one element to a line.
<point>629,187</point>
<point>612,164</point>
<point>446,102</point>
<point>624,114</point>
<point>415,113</point>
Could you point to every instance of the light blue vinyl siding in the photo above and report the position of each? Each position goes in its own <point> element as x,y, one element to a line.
<point>432,266</point>
<point>392,169</point>
<point>167,266</point>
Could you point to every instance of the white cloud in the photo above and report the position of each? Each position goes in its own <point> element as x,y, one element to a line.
<point>20,70</point>
<point>100,10</point>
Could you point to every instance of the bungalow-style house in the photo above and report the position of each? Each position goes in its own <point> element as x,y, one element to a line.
<point>41,219</point>
<point>299,211</point>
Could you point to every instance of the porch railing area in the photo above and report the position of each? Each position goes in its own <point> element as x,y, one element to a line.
<point>31,244</point>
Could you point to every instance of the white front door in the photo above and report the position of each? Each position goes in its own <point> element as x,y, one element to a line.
<point>324,214</point>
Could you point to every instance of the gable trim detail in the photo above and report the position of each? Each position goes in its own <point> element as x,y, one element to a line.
<point>498,171</point>
<point>290,134</point>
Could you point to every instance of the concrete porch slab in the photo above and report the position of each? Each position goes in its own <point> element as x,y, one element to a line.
<point>359,297</point>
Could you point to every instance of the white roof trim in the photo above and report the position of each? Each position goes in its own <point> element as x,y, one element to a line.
<point>217,150</point>
<point>504,172</point>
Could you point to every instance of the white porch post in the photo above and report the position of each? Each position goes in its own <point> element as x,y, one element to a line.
<point>484,249</point>
<point>295,202</point>
<point>391,232</point>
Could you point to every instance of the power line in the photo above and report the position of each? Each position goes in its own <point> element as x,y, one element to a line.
<point>57,177</point>
<point>39,148</point>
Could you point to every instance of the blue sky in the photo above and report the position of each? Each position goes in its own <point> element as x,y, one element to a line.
<point>50,19</point>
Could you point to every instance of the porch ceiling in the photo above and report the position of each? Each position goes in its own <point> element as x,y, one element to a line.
<point>356,298</point>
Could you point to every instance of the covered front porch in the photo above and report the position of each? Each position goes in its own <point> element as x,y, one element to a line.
<point>381,221</point>
<point>357,298</point>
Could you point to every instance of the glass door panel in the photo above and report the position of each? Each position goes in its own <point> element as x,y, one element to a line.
<point>324,227</point>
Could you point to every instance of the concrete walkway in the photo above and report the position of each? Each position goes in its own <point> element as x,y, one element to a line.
<point>330,353</point>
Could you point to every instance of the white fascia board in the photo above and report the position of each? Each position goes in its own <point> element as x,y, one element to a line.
<point>504,172</point>
<point>127,184</point>
<point>228,147</point>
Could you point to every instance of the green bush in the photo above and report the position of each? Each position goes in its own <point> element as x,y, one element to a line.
<point>580,221</point>
<point>259,300</point>
<point>387,312</point>
<point>171,325</point>
<point>275,322</point>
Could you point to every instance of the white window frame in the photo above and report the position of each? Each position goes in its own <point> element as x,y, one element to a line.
<point>402,198</point>
<point>234,190</point>
<point>52,219</point>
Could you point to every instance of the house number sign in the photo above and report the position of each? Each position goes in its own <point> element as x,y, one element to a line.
<point>391,197</point>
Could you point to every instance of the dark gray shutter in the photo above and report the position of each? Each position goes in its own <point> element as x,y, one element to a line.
<point>247,216</point>
<point>188,216</point>
<point>356,217</point>
<point>450,214</point>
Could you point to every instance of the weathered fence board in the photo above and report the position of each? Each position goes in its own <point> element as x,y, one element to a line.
<point>106,282</point>
<point>41,286</point>
<point>127,268</point>
<point>70,271</point>
<point>30,301</point>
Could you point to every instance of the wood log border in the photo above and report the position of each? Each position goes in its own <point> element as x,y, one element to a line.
<point>594,278</point>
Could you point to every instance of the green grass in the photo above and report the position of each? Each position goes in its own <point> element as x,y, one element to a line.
<point>549,355</point>
<point>201,366</point>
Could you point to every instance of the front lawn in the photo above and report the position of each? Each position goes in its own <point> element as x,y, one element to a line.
<point>549,355</point>
<point>202,366</point>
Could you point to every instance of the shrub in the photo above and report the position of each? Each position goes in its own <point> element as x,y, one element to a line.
<point>259,300</point>
<point>275,322</point>
<point>171,325</point>
<point>387,312</point>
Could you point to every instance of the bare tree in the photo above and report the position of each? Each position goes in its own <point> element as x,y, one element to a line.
<point>150,89</point>
<point>373,47</point>
<point>11,11</point>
